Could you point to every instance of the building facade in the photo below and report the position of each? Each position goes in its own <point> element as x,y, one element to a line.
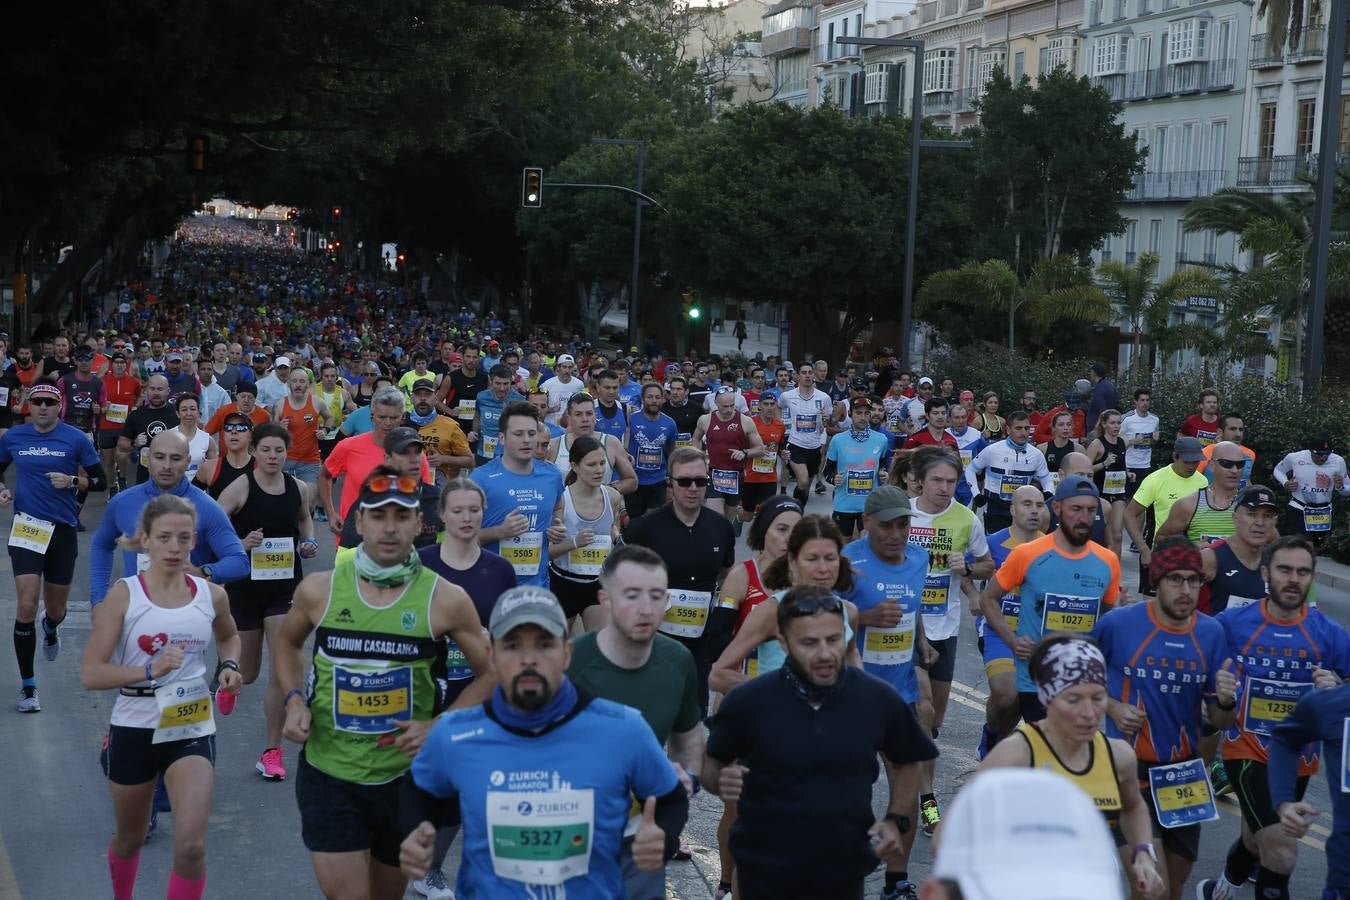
<point>788,46</point>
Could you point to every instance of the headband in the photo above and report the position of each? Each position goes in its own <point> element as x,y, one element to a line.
<point>1176,556</point>
<point>1068,664</point>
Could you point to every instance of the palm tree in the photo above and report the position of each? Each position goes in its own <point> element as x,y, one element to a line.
<point>1137,297</point>
<point>1058,289</point>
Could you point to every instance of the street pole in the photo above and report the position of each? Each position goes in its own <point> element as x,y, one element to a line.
<point>634,323</point>
<point>1327,165</point>
<point>916,143</point>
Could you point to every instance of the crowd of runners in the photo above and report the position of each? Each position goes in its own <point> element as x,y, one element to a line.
<point>537,636</point>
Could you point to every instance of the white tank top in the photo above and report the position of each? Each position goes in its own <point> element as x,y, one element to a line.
<point>564,460</point>
<point>602,527</point>
<point>197,447</point>
<point>148,628</point>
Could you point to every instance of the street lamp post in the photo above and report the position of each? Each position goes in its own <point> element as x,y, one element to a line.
<point>634,326</point>
<point>915,144</point>
<point>1327,165</point>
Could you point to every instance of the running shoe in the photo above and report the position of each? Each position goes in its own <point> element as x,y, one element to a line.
<point>1218,776</point>
<point>51,647</point>
<point>930,815</point>
<point>269,765</point>
<point>321,516</point>
<point>820,487</point>
<point>987,741</point>
<point>905,890</point>
<point>28,703</point>
<point>434,887</point>
<point>1205,890</point>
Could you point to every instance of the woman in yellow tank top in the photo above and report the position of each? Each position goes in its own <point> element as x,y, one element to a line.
<point>1070,674</point>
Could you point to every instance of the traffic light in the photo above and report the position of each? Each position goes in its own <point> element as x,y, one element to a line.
<point>690,304</point>
<point>337,215</point>
<point>292,213</point>
<point>532,187</point>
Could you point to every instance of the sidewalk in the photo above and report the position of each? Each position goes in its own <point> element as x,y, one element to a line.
<point>1333,575</point>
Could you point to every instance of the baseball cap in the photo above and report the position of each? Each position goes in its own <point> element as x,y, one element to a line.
<point>887,502</point>
<point>82,353</point>
<point>859,384</point>
<point>116,356</point>
<point>926,380</point>
<point>1026,833</point>
<point>175,356</point>
<point>1075,486</point>
<point>565,358</point>
<point>423,384</point>
<point>282,361</point>
<point>1188,449</point>
<point>398,440</point>
<point>1255,496</point>
<point>527,605</point>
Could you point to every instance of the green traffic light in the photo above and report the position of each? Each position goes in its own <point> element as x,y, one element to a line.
<point>695,312</point>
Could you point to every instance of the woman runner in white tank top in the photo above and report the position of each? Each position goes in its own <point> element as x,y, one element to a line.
<point>591,515</point>
<point>150,638</point>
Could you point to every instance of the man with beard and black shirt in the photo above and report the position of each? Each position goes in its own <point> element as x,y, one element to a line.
<point>80,391</point>
<point>144,422</point>
<point>59,364</point>
<point>683,410</point>
<point>464,387</point>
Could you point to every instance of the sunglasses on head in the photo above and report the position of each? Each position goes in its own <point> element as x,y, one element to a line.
<point>1231,463</point>
<point>692,481</point>
<point>238,427</point>
<point>810,606</point>
<point>391,484</point>
<point>44,401</point>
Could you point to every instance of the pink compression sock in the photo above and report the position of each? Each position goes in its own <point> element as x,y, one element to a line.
<point>182,889</point>
<point>123,873</point>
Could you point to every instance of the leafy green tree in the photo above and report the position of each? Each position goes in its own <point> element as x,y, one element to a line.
<point>774,204</point>
<point>1146,304</point>
<point>1052,165</point>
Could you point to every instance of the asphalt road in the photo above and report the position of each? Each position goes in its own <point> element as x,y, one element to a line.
<point>56,818</point>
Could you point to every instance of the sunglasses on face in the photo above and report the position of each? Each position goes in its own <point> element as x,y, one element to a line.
<point>44,401</point>
<point>693,481</point>
<point>809,607</point>
<point>1231,463</point>
<point>391,484</point>
<point>237,427</point>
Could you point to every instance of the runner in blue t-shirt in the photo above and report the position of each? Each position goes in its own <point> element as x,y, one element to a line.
<point>545,776</point>
<point>54,461</point>
<point>651,439</point>
<point>855,461</point>
<point>524,498</point>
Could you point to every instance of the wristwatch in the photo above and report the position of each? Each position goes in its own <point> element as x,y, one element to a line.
<point>901,821</point>
<point>206,572</point>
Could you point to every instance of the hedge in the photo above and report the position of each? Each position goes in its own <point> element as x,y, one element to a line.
<point>1277,418</point>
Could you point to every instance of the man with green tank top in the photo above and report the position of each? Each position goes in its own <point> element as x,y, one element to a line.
<point>1207,515</point>
<point>374,686</point>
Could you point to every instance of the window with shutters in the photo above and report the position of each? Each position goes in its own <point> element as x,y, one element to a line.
<point>938,70</point>
<point>989,61</point>
<point>1187,40</point>
<point>1109,54</point>
<point>874,87</point>
<point>1063,51</point>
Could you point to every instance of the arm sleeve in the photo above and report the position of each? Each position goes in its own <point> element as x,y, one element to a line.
<point>231,561</point>
<point>1286,744</point>
<point>101,549</point>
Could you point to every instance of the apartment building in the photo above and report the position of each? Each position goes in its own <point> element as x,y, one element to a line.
<point>787,44</point>
<point>720,39</point>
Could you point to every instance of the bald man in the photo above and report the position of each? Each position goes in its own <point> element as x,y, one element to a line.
<point>1207,515</point>
<point>218,556</point>
<point>143,423</point>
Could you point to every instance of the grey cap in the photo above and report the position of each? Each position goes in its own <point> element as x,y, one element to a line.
<point>1082,387</point>
<point>401,438</point>
<point>527,605</point>
<point>887,502</point>
<point>1188,449</point>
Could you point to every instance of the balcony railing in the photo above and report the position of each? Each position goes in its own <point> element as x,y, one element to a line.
<point>965,99</point>
<point>1175,185</point>
<point>1263,55</point>
<point>1281,171</point>
<point>1222,74</point>
<point>938,103</point>
<point>1312,45</point>
<point>790,40</point>
<point>1114,85</point>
